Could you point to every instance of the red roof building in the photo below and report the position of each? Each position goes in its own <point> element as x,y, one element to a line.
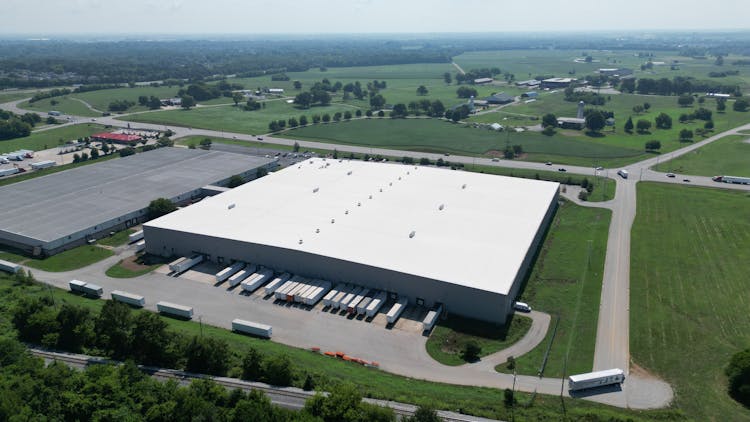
<point>117,138</point>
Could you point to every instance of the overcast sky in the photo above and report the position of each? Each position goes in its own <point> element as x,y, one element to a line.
<point>39,17</point>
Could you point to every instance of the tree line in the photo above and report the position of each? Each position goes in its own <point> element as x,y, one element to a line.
<point>16,126</point>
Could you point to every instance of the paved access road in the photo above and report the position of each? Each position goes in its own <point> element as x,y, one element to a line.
<point>407,357</point>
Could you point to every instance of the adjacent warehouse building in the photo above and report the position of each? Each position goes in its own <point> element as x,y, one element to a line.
<point>462,239</point>
<point>48,214</point>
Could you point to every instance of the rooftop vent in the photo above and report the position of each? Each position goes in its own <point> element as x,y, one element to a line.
<point>346,212</point>
<point>300,241</point>
<point>408,172</point>
<point>399,177</point>
<point>390,183</point>
<point>349,173</point>
<point>316,190</point>
<point>411,235</point>
<point>370,197</point>
<point>441,207</point>
<point>359,204</point>
<point>381,189</point>
<point>463,186</point>
<point>317,230</point>
<point>231,206</point>
<point>333,220</point>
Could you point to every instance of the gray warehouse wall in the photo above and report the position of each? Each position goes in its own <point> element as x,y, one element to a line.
<point>458,299</point>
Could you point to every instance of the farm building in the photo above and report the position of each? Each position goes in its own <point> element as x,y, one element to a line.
<point>462,239</point>
<point>49,214</point>
<point>499,98</point>
<point>554,83</point>
<point>482,81</point>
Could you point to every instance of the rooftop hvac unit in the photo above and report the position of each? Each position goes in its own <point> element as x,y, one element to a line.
<point>346,212</point>
<point>370,197</point>
<point>333,220</point>
<point>381,189</point>
<point>463,186</point>
<point>316,190</point>
<point>349,173</point>
<point>399,177</point>
<point>359,204</point>
<point>300,241</point>
<point>317,230</point>
<point>231,206</point>
<point>408,172</point>
<point>412,234</point>
<point>441,207</point>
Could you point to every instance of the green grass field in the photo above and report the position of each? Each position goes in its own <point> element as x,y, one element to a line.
<point>435,135</point>
<point>449,337</point>
<point>118,271</point>
<point>118,239</point>
<point>71,259</point>
<point>566,283</point>
<point>689,294</point>
<point>65,104</point>
<point>235,119</point>
<point>729,155</point>
<point>50,138</point>
<point>479,401</point>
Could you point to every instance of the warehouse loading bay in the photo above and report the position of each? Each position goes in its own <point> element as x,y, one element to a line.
<point>410,318</point>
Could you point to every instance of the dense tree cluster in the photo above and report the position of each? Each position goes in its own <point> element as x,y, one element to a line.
<point>473,74</point>
<point>120,105</point>
<point>49,94</point>
<point>14,126</point>
<point>466,92</point>
<point>680,85</point>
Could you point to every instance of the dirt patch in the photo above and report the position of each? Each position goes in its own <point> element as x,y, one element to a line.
<point>641,372</point>
<point>131,263</point>
<point>494,153</point>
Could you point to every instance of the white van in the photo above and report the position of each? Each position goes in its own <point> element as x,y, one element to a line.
<point>523,307</point>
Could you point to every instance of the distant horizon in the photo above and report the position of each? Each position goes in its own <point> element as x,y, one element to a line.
<point>268,17</point>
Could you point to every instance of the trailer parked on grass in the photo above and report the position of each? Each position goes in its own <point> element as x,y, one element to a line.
<point>92,290</point>
<point>174,309</point>
<point>128,298</point>
<point>229,271</point>
<point>134,237</point>
<point>9,267</point>
<point>256,280</point>
<point>376,303</point>
<point>76,285</point>
<point>596,379</point>
<point>396,310</point>
<point>276,283</point>
<point>252,328</point>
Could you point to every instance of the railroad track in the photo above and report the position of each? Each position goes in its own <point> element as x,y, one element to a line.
<point>295,398</point>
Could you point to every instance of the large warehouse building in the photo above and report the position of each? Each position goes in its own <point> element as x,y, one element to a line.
<point>435,236</point>
<point>49,214</point>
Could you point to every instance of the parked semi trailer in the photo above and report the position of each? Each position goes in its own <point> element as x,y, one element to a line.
<point>85,288</point>
<point>129,298</point>
<point>377,302</point>
<point>431,318</point>
<point>186,264</point>
<point>596,379</point>
<point>396,310</point>
<point>175,309</point>
<point>336,301</point>
<point>328,298</point>
<point>318,293</point>
<point>364,303</point>
<point>9,267</point>
<point>43,164</point>
<point>241,275</point>
<point>351,307</point>
<point>252,328</point>
<point>256,280</point>
<point>229,271</point>
<point>280,293</point>
<point>140,246</point>
<point>732,179</point>
<point>9,171</point>
<point>276,283</point>
<point>134,237</point>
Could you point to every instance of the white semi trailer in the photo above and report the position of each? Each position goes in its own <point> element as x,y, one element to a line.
<point>396,310</point>
<point>596,379</point>
<point>256,280</point>
<point>351,307</point>
<point>276,283</point>
<point>128,298</point>
<point>140,246</point>
<point>174,309</point>
<point>328,298</point>
<point>431,318</point>
<point>241,275</point>
<point>134,237</point>
<point>229,271</point>
<point>186,264</point>
<point>252,328</point>
<point>9,267</point>
<point>377,302</point>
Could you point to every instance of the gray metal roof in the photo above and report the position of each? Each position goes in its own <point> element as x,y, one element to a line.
<point>57,205</point>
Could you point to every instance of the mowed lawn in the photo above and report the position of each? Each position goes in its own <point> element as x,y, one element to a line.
<point>566,282</point>
<point>50,138</point>
<point>689,304</point>
<point>66,104</point>
<point>727,156</point>
<point>235,119</point>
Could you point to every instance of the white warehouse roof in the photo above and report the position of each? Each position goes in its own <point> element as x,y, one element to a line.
<point>366,212</point>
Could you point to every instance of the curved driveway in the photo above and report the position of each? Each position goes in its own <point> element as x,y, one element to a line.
<point>409,357</point>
